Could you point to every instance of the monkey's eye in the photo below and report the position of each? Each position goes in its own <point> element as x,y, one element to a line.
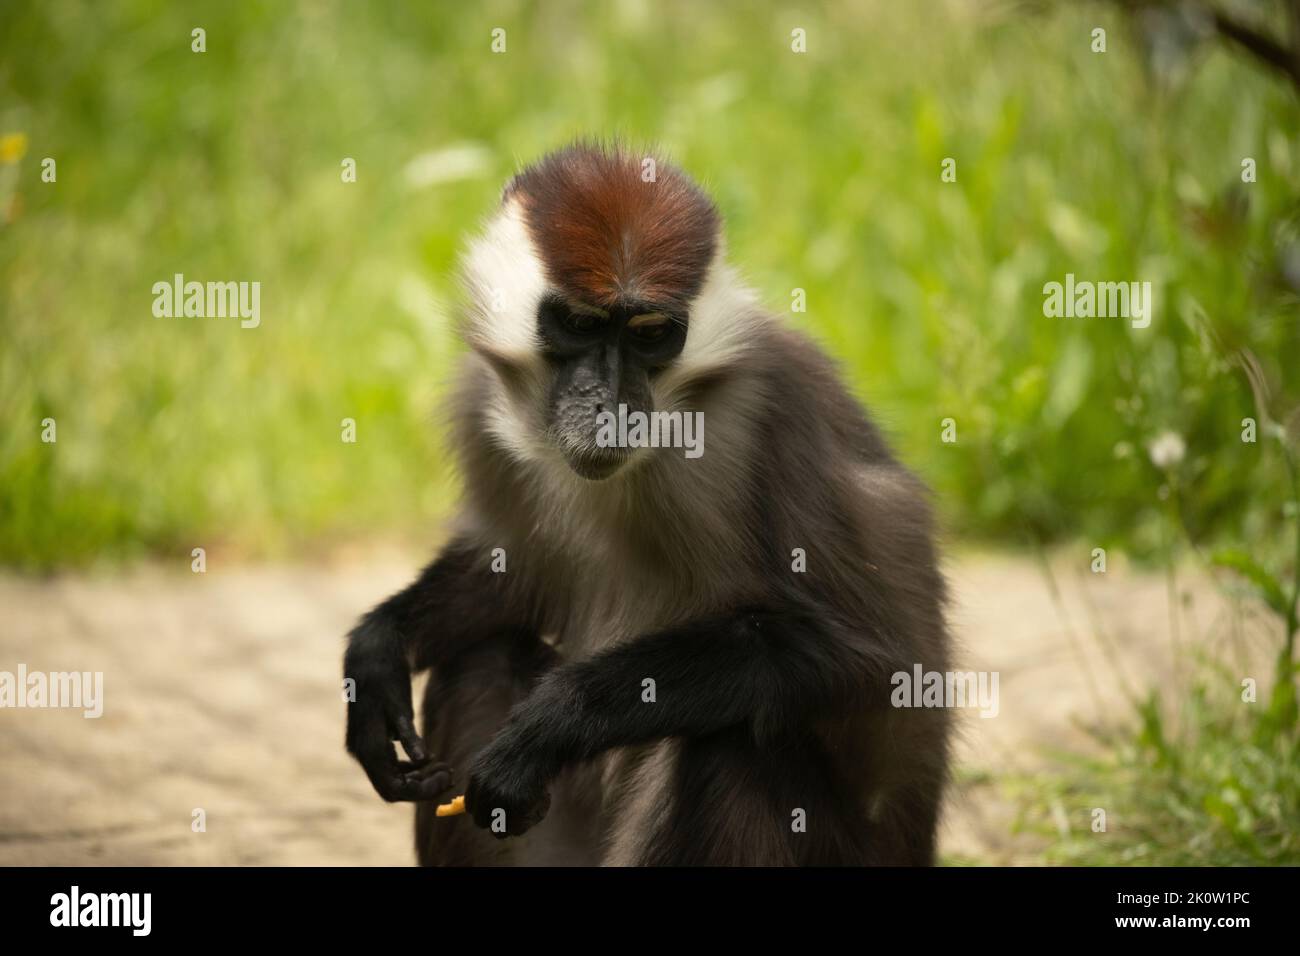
<point>649,327</point>
<point>583,320</point>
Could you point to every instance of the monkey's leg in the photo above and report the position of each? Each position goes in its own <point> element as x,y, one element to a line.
<point>465,704</point>
<point>904,827</point>
<point>725,800</point>
<point>907,768</point>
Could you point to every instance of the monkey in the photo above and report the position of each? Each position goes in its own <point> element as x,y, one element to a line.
<point>638,657</point>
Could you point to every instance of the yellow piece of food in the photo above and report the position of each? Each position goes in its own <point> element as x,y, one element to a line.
<point>456,806</point>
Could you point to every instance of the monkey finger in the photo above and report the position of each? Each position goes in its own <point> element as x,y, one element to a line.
<point>412,743</point>
<point>409,768</point>
<point>411,786</point>
<point>425,785</point>
<point>393,781</point>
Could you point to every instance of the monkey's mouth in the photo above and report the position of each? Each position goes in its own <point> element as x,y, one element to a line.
<point>593,452</point>
<point>595,463</point>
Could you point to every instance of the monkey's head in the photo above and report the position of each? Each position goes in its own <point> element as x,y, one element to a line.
<point>593,287</point>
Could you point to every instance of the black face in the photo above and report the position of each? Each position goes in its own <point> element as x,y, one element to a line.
<point>603,358</point>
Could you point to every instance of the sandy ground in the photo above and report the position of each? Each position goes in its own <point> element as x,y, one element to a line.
<point>222,692</point>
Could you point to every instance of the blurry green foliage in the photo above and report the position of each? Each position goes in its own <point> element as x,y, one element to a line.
<point>226,165</point>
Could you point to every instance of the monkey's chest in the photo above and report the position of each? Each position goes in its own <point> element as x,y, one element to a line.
<point>597,618</point>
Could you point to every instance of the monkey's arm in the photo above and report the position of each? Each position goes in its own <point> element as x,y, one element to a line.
<point>454,603</point>
<point>768,668</point>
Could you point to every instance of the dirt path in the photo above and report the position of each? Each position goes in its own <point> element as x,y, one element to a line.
<point>222,693</point>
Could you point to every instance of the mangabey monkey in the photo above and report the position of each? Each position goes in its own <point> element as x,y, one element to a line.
<point>670,659</point>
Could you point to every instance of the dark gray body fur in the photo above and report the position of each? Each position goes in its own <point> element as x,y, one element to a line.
<point>791,462</point>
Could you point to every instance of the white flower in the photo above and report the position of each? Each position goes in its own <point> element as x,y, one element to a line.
<point>1166,449</point>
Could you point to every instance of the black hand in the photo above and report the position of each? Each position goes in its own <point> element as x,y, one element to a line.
<point>507,788</point>
<point>381,713</point>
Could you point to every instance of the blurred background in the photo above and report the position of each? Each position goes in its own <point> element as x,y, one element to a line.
<point>1072,434</point>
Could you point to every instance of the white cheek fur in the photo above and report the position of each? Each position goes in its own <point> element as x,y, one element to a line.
<point>723,319</point>
<point>505,279</point>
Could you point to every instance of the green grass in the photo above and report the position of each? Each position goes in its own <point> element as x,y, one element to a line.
<point>225,165</point>
<point>1220,788</point>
